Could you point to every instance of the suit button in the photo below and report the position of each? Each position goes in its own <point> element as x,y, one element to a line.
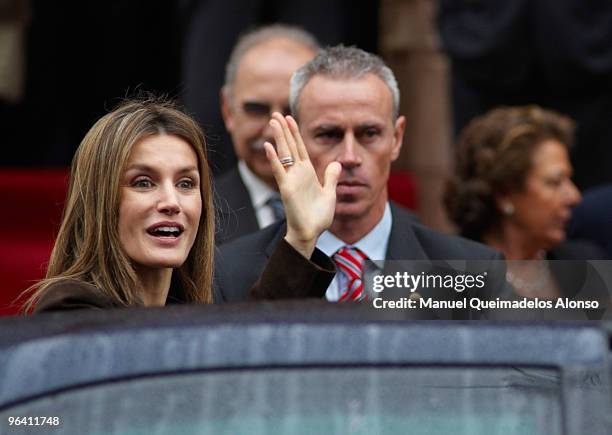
<point>415,296</point>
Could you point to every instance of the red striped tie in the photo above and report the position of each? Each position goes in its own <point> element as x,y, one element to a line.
<point>350,262</point>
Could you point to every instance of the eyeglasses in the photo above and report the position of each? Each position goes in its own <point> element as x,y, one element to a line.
<point>258,109</point>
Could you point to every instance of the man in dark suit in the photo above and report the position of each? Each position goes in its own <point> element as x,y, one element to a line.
<point>347,104</point>
<point>256,84</point>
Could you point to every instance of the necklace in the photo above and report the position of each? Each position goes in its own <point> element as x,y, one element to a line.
<point>532,278</point>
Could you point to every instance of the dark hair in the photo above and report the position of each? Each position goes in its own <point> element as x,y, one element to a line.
<point>494,155</point>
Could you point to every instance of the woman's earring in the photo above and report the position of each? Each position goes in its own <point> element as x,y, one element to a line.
<point>508,208</point>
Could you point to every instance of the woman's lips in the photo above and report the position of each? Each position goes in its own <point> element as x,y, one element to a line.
<point>565,217</point>
<point>166,233</point>
<point>166,241</point>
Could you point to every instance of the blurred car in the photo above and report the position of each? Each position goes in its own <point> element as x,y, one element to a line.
<point>298,368</point>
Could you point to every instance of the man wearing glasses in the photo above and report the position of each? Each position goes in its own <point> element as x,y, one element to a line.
<point>256,84</point>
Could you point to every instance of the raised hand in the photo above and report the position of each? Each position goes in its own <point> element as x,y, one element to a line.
<point>309,206</point>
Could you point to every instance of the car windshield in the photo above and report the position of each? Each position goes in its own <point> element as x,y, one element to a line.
<point>353,400</point>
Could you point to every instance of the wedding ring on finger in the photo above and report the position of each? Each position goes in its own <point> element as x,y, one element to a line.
<point>287,161</point>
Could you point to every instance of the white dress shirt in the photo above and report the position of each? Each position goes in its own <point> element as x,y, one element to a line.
<point>259,192</point>
<point>373,245</point>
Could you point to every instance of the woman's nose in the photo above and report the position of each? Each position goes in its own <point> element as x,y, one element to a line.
<point>168,201</point>
<point>573,194</point>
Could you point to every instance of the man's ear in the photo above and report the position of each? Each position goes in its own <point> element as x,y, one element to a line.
<point>226,108</point>
<point>398,137</point>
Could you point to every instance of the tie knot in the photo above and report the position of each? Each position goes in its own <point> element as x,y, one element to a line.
<point>351,255</point>
<point>350,262</point>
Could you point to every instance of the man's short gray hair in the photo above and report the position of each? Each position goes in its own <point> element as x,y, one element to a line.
<point>261,35</point>
<point>340,62</point>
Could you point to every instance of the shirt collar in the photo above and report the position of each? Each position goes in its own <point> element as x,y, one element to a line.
<point>373,245</point>
<point>259,191</point>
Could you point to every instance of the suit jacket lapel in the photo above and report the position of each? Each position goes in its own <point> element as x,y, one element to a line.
<point>235,205</point>
<point>403,243</point>
<point>282,230</point>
